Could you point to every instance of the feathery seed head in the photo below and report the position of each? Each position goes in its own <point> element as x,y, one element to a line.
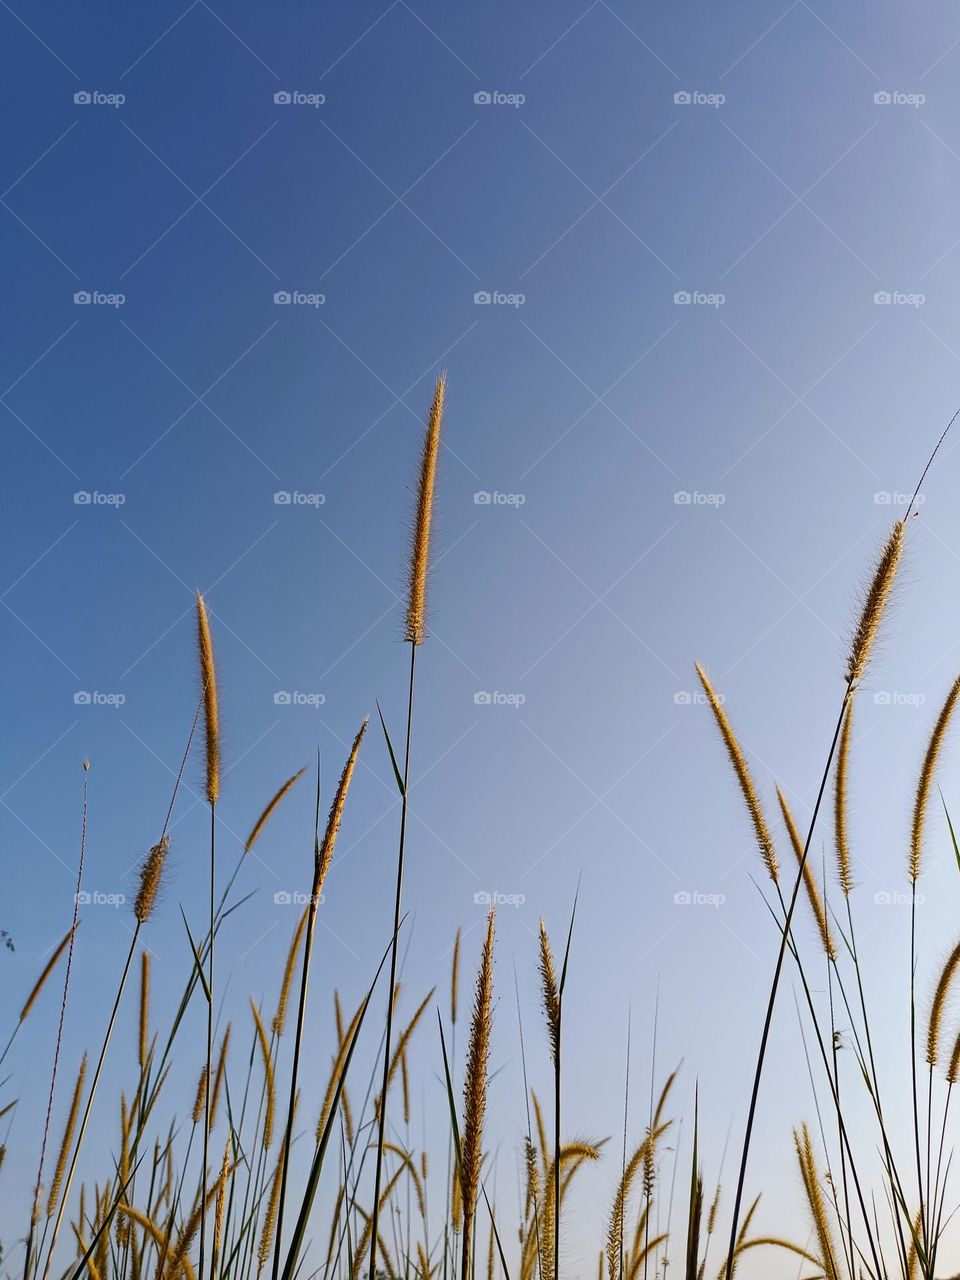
<point>749,791</point>
<point>809,879</point>
<point>925,782</point>
<point>416,628</point>
<point>325,853</point>
<point>199,1102</point>
<point>550,992</point>
<point>939,1003</point>
<point>874,604</point>
<point>267,814</point>
<point>47,970</point>
<point>150,872</point>
<point>211,713</point>
<point>280,1017</point>
<point>475,1088</point>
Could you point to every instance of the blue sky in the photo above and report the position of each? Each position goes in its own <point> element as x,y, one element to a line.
<point>632,155</point>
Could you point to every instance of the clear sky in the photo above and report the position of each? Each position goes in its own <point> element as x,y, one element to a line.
<point>793,172</point>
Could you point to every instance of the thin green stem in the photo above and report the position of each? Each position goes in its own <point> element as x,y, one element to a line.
<point>206,1092</point>
<point>774,987</point>
<point>378,1177</point>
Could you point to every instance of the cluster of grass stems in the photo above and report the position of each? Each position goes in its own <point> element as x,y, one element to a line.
<point>206,1191</point>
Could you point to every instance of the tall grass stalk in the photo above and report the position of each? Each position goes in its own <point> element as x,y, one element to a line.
<point>414,635</point>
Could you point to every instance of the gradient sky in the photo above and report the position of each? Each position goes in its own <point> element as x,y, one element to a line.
<point>783,399</point>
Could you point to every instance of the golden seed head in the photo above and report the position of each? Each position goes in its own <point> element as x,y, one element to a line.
<point>280,1017</point>
<point>416,628</point>
<point>550,993</point>
<point>939,1004</point>
<point>874,604</point>
<point>67,1140</point>
<point>475,1084</point>
<point>925,782</point>
<point>269,1079</point>
<point>325,853</point>
<point>809,879</point>
<point>211,713</point>
<point>150,873</point>
<point>199,1102</point>
<point>47,970</point>
<point>265,817</point>
<point>739,762</point>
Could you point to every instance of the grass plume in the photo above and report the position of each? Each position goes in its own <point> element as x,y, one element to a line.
<point>416,627</point>
<point>744,778</point>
